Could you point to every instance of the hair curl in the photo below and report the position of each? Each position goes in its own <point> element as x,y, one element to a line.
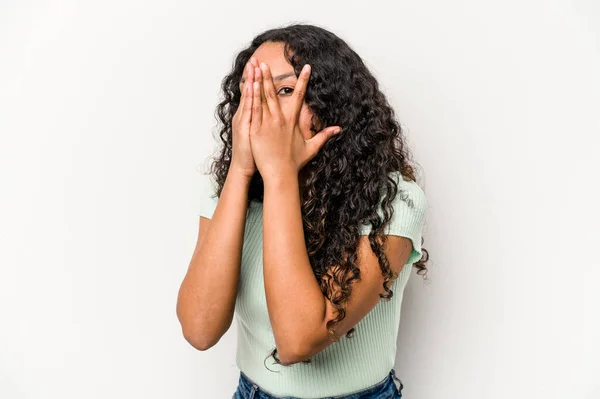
<point>345,181</point>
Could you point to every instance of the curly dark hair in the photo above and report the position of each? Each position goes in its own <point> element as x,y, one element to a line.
<point>344,183</point>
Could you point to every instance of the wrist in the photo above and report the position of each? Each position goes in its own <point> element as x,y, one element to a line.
<point>280,178</point>
<point>238,177</point>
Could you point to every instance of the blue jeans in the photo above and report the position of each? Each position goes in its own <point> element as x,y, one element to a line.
<point>386,389</point>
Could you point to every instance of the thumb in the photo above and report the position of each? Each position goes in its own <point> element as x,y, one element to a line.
<point>319,139</point>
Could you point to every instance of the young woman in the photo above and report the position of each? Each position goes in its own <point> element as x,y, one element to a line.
<point>316,216</point>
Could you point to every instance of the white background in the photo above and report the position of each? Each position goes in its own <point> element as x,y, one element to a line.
<point>106,119</point>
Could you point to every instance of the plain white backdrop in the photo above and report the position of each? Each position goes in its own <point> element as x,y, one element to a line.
<point>106,119</point>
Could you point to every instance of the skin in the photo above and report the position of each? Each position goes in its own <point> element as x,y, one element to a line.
<point>274,125</point>
<point>282,83</point>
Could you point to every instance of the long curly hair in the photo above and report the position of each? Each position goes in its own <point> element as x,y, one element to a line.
<point>344,183</point>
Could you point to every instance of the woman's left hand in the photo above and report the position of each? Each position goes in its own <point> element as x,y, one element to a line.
<point>278,146</point>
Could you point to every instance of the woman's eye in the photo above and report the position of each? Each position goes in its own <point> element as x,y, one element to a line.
<point>291,89</point>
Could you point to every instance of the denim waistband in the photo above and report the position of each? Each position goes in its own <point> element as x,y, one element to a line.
<point>251,389</point>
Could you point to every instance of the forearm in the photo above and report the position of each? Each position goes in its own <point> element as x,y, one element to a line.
<point>294,299</point>
<point>207,296</point>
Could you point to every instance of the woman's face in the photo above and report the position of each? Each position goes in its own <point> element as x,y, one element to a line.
<point>271,53</point>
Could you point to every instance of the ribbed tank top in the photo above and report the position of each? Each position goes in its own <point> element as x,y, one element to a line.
<point>346,366</point>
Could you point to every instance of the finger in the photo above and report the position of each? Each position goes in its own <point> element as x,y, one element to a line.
<point>248,93</point>
<point>269,90</point>
<point>247,82</point>
<point>256,107</point>
<point>258,77</point>
<point>315,143</point>
<point>242,86</point>
<point>300,91</point>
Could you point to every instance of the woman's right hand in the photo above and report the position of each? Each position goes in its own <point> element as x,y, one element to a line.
<point>242,160</point>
